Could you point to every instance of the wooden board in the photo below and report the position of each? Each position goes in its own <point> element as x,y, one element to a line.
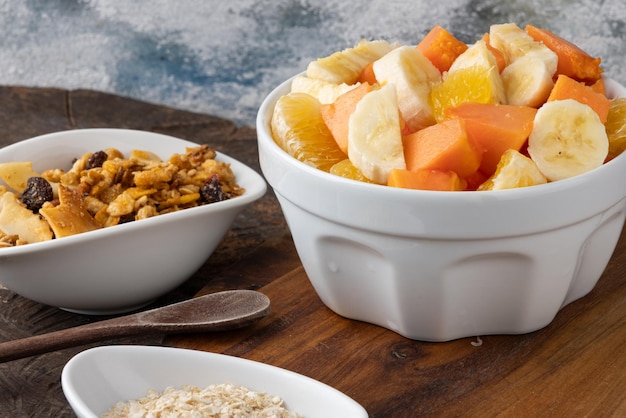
<point>576,366</point>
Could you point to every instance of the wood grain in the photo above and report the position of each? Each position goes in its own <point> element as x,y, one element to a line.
<point>213,312</point>
<point>574,367</point>
<point>31,387</point>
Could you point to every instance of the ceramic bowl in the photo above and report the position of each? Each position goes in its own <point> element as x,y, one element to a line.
<point>96,379</point>
<point>438,266</point>
<point>123,267</point>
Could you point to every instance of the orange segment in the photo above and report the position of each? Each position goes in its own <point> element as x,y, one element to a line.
<point>298,128</point>
<point>470,84</point>
<point>346,169</point>
<point>616,127</point>
<point>514,170</point>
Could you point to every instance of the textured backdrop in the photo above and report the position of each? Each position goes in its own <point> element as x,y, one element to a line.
<point>222,57</point>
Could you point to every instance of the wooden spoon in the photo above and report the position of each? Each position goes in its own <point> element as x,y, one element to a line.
<point>214,312</point>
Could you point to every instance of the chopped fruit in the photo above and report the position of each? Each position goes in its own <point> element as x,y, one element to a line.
<point>445,181</point>
<point>441,48</point>
<point>567,139</point>
<point>527,82</point>
<point>323,91</point>
<point>498,55</point>
<point>572,61</point>
<point>336,115</point>
<point>413,115</point>
<point>515,43</point>
<point>568,88</point>
<point>471,84</point>
<point>495,128</point>
<point>616,127</point>
<point>514,170</point>
<point>445,147</point>
<point>367,74</point>
<point>374,136</point>
<point>411,74</point>
<point>298,128</point>
<point>346,66</point>
<point>346,169</point>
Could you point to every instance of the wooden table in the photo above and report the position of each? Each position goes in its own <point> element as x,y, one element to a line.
<point>576,366</point>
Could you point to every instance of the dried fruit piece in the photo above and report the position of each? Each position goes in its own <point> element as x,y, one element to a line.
<point>38,191</point>
<point>96,160</point>
<point>212,191</point>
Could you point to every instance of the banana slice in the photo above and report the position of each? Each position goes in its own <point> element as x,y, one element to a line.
<point>345,66</point>
<point>374,135</point>
<point>567,139</point>
<point>527,82</point>
<point>412,74</point>
<point>323,91</point>
<point>476,54</point>
<point>514,43</point>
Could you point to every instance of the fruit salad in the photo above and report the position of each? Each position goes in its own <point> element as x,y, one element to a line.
<point>519,107</point>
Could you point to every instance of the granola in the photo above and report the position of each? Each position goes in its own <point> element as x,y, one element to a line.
<point>106,188</point>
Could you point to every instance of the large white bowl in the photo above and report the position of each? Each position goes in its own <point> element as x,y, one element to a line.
<point>120,268</point>
<point>96,379</point>
<point>438,266</point>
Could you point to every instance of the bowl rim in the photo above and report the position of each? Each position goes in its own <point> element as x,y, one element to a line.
<point>263,119</point>
<point>340,201</point>
<point>255,188</point>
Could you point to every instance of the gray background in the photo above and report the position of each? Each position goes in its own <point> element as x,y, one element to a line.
<point>223,57</point>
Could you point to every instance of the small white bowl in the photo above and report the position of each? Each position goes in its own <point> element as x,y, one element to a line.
<point>438,266</point>
<point>96,379</point>
<point>123,267</point>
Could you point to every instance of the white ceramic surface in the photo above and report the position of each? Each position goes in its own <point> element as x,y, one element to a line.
<point>437,266</point>
<point>95,379</point>
<point>123,267</point>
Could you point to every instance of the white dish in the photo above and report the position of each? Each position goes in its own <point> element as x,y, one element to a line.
<point>96,379</point>
<point>123,267</point>
<point>436,266</point>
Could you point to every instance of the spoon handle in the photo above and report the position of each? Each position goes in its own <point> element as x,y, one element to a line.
<point>213,312</point>
<point>71,337</point>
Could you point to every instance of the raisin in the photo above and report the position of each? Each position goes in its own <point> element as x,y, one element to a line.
<point>212,191</point>
<point>96,160</point>
<point>38,191</point>
<point>127,218</point>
